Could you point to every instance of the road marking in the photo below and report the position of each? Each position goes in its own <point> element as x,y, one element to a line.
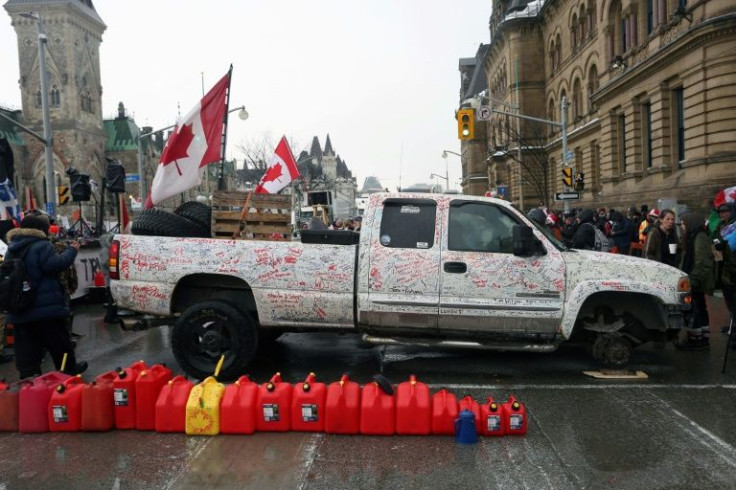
<point>608,386</point>
<point>717,445</point>
<point>187,464</point>
<point>308,453</point>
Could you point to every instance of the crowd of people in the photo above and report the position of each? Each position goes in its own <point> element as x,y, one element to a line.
<point>704,248</point>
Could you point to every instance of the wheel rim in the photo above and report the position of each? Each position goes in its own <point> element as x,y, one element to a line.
<point>210,340</point>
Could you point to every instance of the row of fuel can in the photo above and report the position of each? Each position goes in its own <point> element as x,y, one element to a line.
<point>150,398</point>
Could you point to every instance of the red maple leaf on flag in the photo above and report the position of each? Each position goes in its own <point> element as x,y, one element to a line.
<point>272,173</point>
<point>177,146</point>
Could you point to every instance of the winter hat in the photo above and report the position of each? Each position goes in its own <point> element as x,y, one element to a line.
<point>586,216</point>
<point>654,213</point>
<point>726,206</point>
<point>36,222</point>
<point>537,215</point>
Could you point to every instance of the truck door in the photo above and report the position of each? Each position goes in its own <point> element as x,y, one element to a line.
<point>484,286</point>
<point>402,267</point>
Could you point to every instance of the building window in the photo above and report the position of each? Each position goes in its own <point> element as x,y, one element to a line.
<point>558,50</point>
<point>679,112</point>
<point>595,169</point>
<point>574,32</point>
<point>621,136</point>
<point>38,98</point>
<point>593,85</point>
<point>646,133</point>
<point>650,16</point>
<point>577,100</point>
<point>55,96</point>
<point>583,23</point>
<point>86,102</point>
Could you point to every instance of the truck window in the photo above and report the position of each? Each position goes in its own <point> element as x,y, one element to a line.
<point>408,223</point>
<point>480,227</point>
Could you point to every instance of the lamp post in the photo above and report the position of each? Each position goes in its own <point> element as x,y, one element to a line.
<point>447,174</point>
<point>141,176</point>
<point>47,141</point>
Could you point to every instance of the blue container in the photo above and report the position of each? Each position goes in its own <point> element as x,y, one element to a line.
<point>465,432</point>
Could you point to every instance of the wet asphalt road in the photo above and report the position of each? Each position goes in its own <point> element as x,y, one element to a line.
<point>673,430</point>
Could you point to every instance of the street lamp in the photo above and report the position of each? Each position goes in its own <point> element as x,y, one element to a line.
<point>447,174</point>
<point>243,115</point>
<point>47,141</point>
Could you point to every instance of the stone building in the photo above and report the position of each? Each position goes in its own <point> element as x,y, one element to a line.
<point>74,33</point>
<point>650,87</point>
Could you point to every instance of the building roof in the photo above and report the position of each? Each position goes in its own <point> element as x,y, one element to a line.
<point>478,81</point>
<point>328,146</point>
<point>122,132</point>
<point>84,6</point>
<point>10,131</point>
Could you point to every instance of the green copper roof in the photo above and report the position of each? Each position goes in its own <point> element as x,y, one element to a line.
<point>121,134</point>
<point>10,131</point>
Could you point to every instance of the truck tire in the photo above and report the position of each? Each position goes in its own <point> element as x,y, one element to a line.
<point>157,222</point>
<point>208,330</point>
<point>196,211</point>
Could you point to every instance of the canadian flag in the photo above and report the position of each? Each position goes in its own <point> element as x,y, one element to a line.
<point>195,143</point>
<point>280,172</point>
<point>726,195</point>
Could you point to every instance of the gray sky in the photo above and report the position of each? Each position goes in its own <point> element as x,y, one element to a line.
<point>379,76</point>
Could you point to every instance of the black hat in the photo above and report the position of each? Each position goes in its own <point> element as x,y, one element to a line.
<point>36,222</point>
<point>724,207</point>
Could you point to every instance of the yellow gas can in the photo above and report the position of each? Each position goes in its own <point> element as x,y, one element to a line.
<point>203,408</point>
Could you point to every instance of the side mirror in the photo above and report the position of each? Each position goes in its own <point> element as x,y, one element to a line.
<point>525,243</point>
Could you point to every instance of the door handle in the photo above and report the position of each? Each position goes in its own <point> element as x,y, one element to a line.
<point>456,267</point>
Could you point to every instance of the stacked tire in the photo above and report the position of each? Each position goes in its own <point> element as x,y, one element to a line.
<point>191,219</point>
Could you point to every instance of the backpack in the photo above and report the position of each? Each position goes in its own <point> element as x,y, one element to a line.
<point>16,292</point>
<point>602,242</point>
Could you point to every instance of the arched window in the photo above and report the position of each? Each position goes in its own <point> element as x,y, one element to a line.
<point>558,49</point>
<point>593,85</point>
<point>583,23</point>
<point>616,31</point>
<point>574,32</point>
<point>552,115</point>
<point>55,96</point>
<point>577,100</point>
<point>38,98</point>
<point>553,56</point>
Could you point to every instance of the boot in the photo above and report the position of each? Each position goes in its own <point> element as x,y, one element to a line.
<point>695,340</point>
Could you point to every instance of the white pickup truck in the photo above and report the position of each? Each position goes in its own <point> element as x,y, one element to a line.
<point>425,269</point>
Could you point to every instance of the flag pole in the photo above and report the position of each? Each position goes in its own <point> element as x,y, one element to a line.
<point>221,181</point>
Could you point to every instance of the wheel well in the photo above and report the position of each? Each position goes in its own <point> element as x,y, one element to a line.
<point>643,307</point>
<point>205,287</point>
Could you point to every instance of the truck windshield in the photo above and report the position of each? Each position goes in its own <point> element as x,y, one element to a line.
<point>550,236</point>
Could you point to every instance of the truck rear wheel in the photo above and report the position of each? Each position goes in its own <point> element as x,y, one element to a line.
<point>208,330</point>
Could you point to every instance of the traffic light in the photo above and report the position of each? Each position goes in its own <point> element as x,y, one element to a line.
<point>567,176</point>
<point>62,191</point>
<point>466,124</point>
<point>579,181</point>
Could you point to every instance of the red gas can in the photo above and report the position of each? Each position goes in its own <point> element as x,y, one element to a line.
<point>65,406</point>
<point>492,419</point>
<point>342,407</point>
<point>33,402</point>
<point>124,394</point>
<point>8,407</point>
<point>467,403</point>
<point>238,407</point>
<point>147,387</point>
<point>514,414</point>
<point>171,405</point>
<point>308,406</point>
<point>444,412</point>
<point>98,407</point>
<point>274,405</point>
<point>377,410</point>
<point>413,408</point>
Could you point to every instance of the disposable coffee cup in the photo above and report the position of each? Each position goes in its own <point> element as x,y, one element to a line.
<point>673,248</point>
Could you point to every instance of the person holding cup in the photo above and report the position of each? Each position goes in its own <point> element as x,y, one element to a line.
<point>662,241</point>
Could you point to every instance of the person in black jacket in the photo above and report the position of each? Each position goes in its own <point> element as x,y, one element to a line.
<point>43,326</point>
<point>584,237</point>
